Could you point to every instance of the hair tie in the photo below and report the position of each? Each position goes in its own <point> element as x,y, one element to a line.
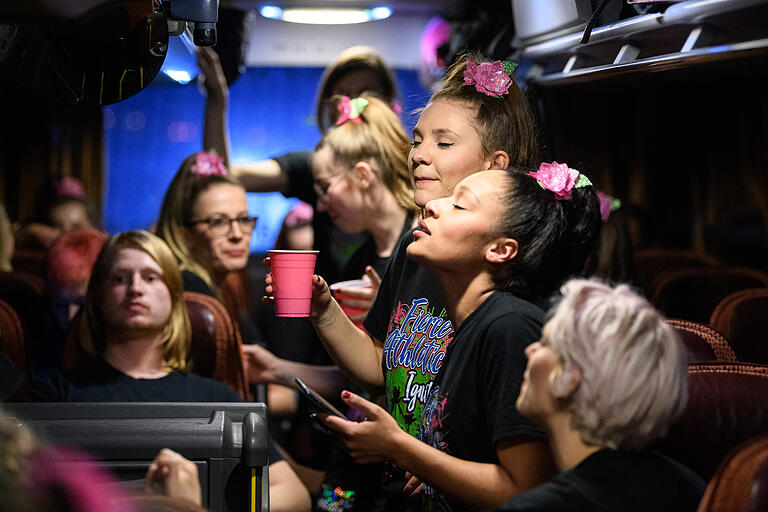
<point>491,78</point>
<point>208,164</point>
<point>608,204</point>
<point>560,179</point>
<point>351,109</point>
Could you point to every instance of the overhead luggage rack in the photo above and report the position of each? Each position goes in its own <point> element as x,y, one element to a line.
<point>687,34</point>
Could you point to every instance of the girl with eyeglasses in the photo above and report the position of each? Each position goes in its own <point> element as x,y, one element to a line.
<point>360,171</point>
<point>205,221</point>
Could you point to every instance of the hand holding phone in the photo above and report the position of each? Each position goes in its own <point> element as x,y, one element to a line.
<point>318,401</point>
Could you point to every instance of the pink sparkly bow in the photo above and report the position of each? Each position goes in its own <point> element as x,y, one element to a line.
<point>560,179</point>
<point>491,78</point>
<point>208,164</point>
<point>350,110</point>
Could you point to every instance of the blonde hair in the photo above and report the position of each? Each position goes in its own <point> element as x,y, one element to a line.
<point>176,214</point>
<point>177,332</point>
<point>354,58</point>
<point>634,381</point>
<point>6,240</point>
<point>378,140</point>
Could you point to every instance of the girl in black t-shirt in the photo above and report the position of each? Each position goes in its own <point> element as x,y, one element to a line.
<point>503,240</point>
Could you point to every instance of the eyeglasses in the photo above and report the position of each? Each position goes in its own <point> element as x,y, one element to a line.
<point>221,224</point>
<point>321,187</point>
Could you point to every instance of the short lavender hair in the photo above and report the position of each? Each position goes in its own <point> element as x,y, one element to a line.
<point>634,381</point>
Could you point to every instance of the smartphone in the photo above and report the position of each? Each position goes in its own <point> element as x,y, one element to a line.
<point>321,403</point>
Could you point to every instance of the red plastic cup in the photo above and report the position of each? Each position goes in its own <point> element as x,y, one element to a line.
<point>348,310</point>
<point>292,281</point>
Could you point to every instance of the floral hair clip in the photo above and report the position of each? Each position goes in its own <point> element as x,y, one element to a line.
<point>208,164</point>
<point>560,179</point>
<point>350,110</point>
<point>608,204</point>
<point>491,78</point>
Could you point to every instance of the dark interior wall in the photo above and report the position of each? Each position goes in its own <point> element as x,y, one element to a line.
<point>686,149</point>
<point>40,140</point>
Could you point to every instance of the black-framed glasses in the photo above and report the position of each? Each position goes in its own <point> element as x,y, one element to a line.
<point>221,224</point>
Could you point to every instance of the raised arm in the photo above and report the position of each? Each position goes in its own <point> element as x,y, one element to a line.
<point>215,126</point>
<point>263,176</point>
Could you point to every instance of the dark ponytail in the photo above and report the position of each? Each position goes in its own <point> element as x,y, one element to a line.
<point>554,237</point>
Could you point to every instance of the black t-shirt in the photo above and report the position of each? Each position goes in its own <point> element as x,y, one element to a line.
<point>472,405</point>
<point>409,316</point>
<point>297,167</point>
<point>612,480</point>
<point>100,382</point>
<point>366,255</point>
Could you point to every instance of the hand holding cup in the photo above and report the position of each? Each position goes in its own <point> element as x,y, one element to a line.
<point>320,294</point>
<point>292,277</point>
<point>356,297</point>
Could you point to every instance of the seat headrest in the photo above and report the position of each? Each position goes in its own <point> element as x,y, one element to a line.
<point>727,404</point>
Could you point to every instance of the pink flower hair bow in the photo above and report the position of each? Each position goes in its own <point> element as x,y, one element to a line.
<point>491,78</point>
<point>350,110</point>
<point>560,179</point>
<point>208,164</point>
